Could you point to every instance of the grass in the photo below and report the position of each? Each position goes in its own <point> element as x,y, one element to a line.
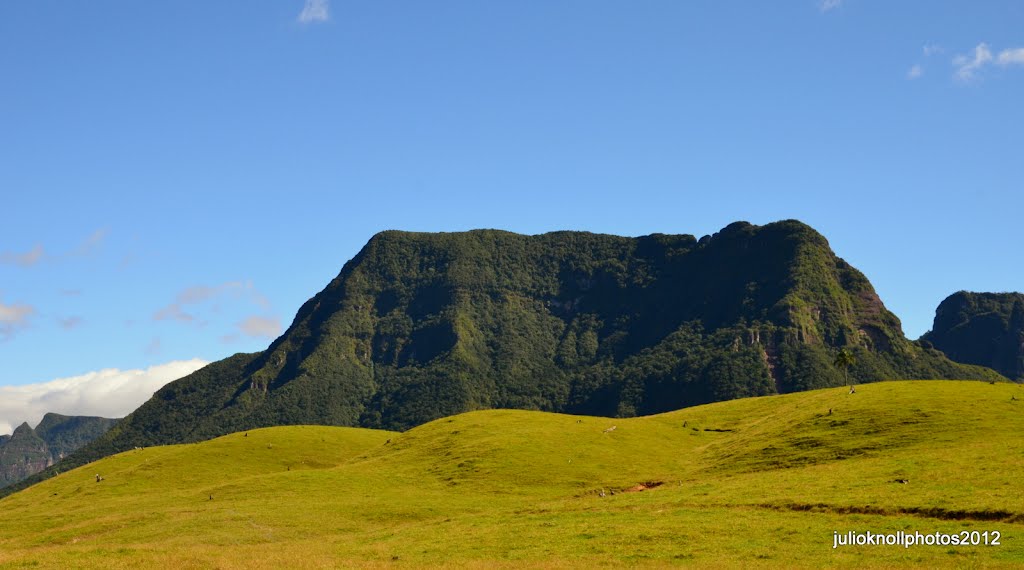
<point>759,482</point>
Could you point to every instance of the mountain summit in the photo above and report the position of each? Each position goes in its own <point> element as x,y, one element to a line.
<point>419,326</point>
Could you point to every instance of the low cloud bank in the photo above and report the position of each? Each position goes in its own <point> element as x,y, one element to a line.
<point>111,393</point>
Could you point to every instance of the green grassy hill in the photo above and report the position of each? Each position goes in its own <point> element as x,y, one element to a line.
<point>746,483</point>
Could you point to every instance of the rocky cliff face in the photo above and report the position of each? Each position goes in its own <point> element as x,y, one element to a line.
<point>28,451</point>
<point>24,454</point>
<point>982,328</point>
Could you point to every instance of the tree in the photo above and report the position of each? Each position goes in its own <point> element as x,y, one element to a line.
<point>844,359</point>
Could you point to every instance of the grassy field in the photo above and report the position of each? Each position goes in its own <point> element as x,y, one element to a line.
<point>760,482</point>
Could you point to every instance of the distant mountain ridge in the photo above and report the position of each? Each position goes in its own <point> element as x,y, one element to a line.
<point>28,451</point>
<point>986,329</point>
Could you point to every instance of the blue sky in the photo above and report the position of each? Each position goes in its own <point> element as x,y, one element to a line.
<point>176,178</point>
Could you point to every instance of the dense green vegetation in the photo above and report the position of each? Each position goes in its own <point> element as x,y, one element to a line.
<point>982,328</point>
<point>28,451</point>
<point>65,434</point>
<point>756,482</point>
<point>421,326</point>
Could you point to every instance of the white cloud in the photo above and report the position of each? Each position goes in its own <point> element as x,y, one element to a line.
<point>915,72</point>
<point>27,259</point>
<point>173,312</point>
<point>316,11</point>
<point>259,299</point>
<point>202,293</point>
<point>37,253</point>
<point>90,244</point>
<point>931,49</point>
<point>1011,56</point>
<point>261,326</point>
<point>14,318</point>
<point>967,66</point>
<point>68,323</point>
<point>829,5</point>
<point>110,393</point>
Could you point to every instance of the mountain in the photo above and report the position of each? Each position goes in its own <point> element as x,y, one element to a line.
<point>28,451</point>
<point>418,326</point>
<point>982,328</point>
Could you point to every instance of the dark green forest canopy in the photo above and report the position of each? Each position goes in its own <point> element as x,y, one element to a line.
<point>424,325</point>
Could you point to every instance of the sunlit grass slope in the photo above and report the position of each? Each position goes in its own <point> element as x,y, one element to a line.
<point>754,482</point>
